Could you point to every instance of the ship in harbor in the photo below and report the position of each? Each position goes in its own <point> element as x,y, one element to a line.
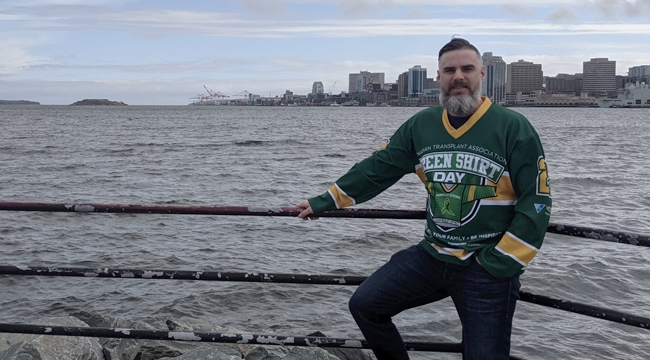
<point>632,96</point>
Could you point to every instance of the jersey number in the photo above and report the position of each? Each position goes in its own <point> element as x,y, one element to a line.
<point>543,187</point>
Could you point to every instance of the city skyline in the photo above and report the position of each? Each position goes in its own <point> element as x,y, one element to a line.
<point>164,52</point>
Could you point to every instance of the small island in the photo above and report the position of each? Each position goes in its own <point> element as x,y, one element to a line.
<point>98,102</point>
<point>18,102</point>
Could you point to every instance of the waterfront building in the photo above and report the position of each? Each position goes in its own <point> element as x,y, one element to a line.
<point>561,99</point>
<point>360,81</point>
<point>432,84</point>
<point>364,81</point>
<point>417,80</point>
<point>494,85</point>
<point>599,77</point>
<point>378,78</point>
<point>317,88</point>
<point>524,77</point>
<point>390,87</point>
<point>639,71</point>
<point>564,84</point>
<point>403,85</point>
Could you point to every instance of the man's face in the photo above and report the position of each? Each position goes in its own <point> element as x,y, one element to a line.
<point>460,74</point>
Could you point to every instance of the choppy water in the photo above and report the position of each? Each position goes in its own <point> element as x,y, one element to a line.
<point>276,157</point>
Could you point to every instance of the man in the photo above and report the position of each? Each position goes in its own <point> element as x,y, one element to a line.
<point>488,208</point>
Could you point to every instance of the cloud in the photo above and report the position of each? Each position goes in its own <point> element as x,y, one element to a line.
<point>612,9</point>
<point>364,8</point>
<point>562,15</point>
<point>518,10</point>
<point>160,23</point>
<point>265,7</point>
<point>15,56</point>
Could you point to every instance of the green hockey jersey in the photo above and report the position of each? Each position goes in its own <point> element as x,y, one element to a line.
<point>487,184</point>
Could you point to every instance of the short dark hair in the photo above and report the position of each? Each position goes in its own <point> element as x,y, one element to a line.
<point>457,44</point>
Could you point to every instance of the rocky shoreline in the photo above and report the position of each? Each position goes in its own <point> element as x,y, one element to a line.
<point>18,102</point>
<point>44,347</point>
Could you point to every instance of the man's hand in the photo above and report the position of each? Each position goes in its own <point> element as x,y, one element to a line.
<point>308,211</point>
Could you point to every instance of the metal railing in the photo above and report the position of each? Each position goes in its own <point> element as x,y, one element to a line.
<point>312,341</point>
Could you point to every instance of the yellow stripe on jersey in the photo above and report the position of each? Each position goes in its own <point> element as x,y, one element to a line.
<point>472,192</point>
<point>459,253</point>
<point>341,199</point>
<point>505,190</point>
<point>517,249</point>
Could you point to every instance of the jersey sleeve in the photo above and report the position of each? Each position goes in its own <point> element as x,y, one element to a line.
<point>371,176</point>
<point>526,232</point>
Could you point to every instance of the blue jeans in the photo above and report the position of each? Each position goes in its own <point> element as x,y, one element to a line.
<point>413,277</point>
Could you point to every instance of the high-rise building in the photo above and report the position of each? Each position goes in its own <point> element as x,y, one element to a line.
<point>494,85</point>
<point>417,80</point>
<point>639,71</point>
<point>564,84</point>
<point>365,81</point>
<point>599,77</point>
<point>352,82</point>
<point>317,88</point>
<point>403,85</point>
<point>432,84</point>
<point>524,76</point>
<point>378,78</point>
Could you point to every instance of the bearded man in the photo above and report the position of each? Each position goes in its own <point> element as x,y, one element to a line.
<point>488,207</point>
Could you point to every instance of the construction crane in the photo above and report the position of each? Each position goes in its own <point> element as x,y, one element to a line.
<point>244,94</point>
<point>332,88</point>
<point>215,94</point>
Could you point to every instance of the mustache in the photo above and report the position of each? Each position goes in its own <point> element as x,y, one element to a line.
<point>458,84</point>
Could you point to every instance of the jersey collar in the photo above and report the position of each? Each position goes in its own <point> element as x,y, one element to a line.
<point>456,133</point>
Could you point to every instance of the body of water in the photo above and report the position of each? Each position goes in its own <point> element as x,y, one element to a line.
<point>275,157</point>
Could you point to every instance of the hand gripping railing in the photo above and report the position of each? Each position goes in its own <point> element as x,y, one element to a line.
<point>562,229</point>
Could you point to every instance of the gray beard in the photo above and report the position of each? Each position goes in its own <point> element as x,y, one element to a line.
<point>460,105</point>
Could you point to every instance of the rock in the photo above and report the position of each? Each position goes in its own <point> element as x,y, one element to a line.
<point>50,347</point>
<point>300,353</point>
<point>351,354</point>
<point>346,354</point>
<point>120,349</point>
<point>156,349</point>
<point>189,324</point>
<point>151,350</point>
<point>21,351</point>
<point>204,353</point>
<point>115,348</point>
<point>259,352</point>
<point>264,352</point>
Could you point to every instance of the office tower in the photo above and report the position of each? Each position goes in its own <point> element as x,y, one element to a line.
<point>317,88</point>
<point>524,76</point>
<point>403,85</point>
<point>378,78</point>
<point>564,84</point>
<point>639,73</point>
<point>364,80</point>
<point>417,80</point>
<point>352,82</point>
<point>599,77</point>
<point>361,81</point>
<point>494,85</point>
<point>432,84</point>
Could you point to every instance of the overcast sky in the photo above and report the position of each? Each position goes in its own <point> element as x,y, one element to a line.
<point>164,52</point>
